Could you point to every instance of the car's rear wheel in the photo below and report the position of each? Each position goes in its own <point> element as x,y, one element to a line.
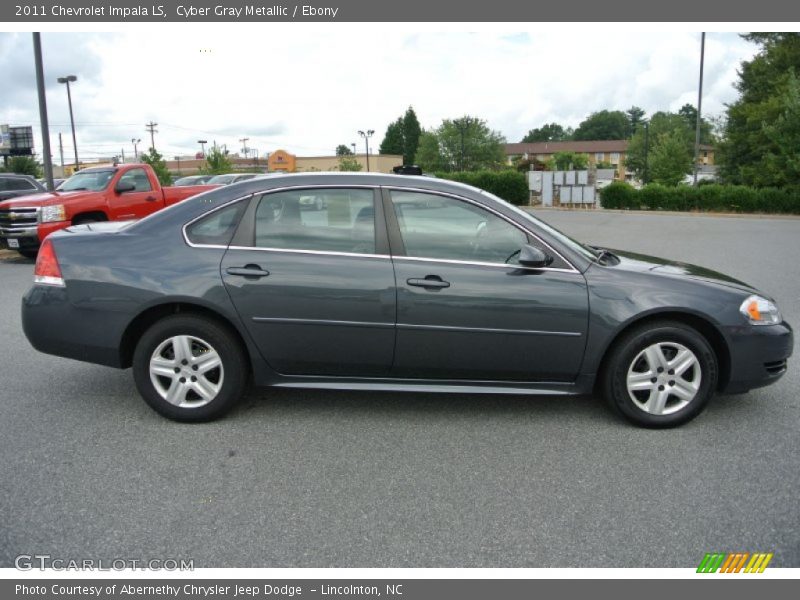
<point>190,368</point>
<point>661,374</point>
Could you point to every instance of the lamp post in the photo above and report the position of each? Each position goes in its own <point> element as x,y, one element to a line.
<point>699,110</point>
<point>646,126</point>
<point>354,148</point>
<point>366,135</point>
<point>202,147</point>
<point>135,141</point>
<point>71,79</point>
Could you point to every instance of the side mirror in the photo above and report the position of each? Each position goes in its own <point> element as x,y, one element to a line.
<point>531,256</point>
<point>124,186</point>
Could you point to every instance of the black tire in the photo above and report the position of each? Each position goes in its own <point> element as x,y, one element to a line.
<point>231,377</point>
<point>29,252</point>
<point>628,357</point>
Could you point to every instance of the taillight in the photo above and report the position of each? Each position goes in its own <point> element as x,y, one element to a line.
<point>47,271</point>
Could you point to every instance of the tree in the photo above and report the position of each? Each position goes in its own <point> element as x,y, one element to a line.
<point>348,163</point>
<point>604,125</point>
<point>343,150</point>
<point>635,118</point>
<point>747,153</point>
<point>24,165</point>
<point>217,162</point>
<point>411,133</point>
<point>393,142</point>
<point>429,156</point>
<point>783,161</point>
<point>564,161</point>
<point>645,142</point>
<point>670,162</point>
<point>155,160</point>
<point>548,132</point>
<point>463,144</point>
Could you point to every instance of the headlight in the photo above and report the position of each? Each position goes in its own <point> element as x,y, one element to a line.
<point>760,311</point>
<point>53,213</point>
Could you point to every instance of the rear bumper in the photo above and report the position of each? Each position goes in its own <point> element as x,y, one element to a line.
<point>53,326</point>
<point>759,356</point>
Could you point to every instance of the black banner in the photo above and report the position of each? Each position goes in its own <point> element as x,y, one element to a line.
<point>66,11</point>
<point>730,588</point>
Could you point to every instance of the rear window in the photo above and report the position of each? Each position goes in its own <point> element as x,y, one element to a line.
<point>216,228</point>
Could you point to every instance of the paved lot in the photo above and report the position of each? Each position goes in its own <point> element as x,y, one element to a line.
<point>296,478</point>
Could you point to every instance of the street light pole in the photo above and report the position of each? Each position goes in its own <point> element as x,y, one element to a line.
<point>699,108</point>
<point>135,141</point>
<point>354,148</point>
<point>366,135</point>
<point>646,126</point>
<point>71,79</point>
<point>203,146</point>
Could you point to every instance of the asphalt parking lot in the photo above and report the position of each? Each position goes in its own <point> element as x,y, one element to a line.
<point>341,479</point>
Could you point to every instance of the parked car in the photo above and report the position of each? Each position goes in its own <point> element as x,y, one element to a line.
<point>13,186</point>
<point>57,181</point>
<point>232,178</point>
<point>403,283</point>
<point>192,180</point>
<point>116,193</point>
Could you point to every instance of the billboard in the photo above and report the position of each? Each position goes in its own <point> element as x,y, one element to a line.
<point>16,141</point>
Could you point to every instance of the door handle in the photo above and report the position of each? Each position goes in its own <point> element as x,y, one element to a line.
<point>151,198</point>
<point>430,281</point>
<point>247,271</point>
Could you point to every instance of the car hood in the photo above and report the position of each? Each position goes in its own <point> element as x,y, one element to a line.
<point>631,261</point>
<point>49,198</point>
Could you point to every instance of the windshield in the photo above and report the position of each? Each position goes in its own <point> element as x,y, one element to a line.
<point>223,179</point>
<point>94,181</point>
<point>573,245</point>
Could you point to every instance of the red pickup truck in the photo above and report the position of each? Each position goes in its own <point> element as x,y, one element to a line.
<point>113,193</point>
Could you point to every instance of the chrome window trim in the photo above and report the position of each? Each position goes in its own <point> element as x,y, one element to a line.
<point>507,219</point>
<point>316,252</point>
<point>525,230</point>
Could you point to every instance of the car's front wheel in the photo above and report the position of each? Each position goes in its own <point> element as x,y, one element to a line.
<point>190,368</point>
<point>661,374</point>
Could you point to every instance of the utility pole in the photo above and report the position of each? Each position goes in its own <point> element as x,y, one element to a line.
<point>61,152</point>
<point>46,158</point>
<point>151,127</point>
<point>699,108</point>
<point>244,145</point>
<point>135,143</point>
<point>123,155</point>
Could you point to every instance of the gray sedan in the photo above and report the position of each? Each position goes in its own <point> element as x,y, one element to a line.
<point>397,283</point>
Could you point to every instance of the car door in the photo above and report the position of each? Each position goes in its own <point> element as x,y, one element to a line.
<point>316,287</point>
<point>136,203</point>
<point>466,309</point>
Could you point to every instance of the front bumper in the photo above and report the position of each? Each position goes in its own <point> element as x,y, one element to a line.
<point>759,355</point>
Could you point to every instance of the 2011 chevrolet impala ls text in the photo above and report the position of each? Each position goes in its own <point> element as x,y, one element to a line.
<point>398,283</point>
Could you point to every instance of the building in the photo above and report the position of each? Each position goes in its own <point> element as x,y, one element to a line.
<point>608,152</point>
<point>284,162</point>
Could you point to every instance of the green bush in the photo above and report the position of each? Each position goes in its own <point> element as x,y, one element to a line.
<point>510,185</point>
<point>617,194</point>
<point>708,197</point>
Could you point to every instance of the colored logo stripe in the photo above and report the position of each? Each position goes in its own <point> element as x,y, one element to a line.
<point>734,562</point>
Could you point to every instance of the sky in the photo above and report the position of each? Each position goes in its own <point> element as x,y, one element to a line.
<point>308,90</point>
